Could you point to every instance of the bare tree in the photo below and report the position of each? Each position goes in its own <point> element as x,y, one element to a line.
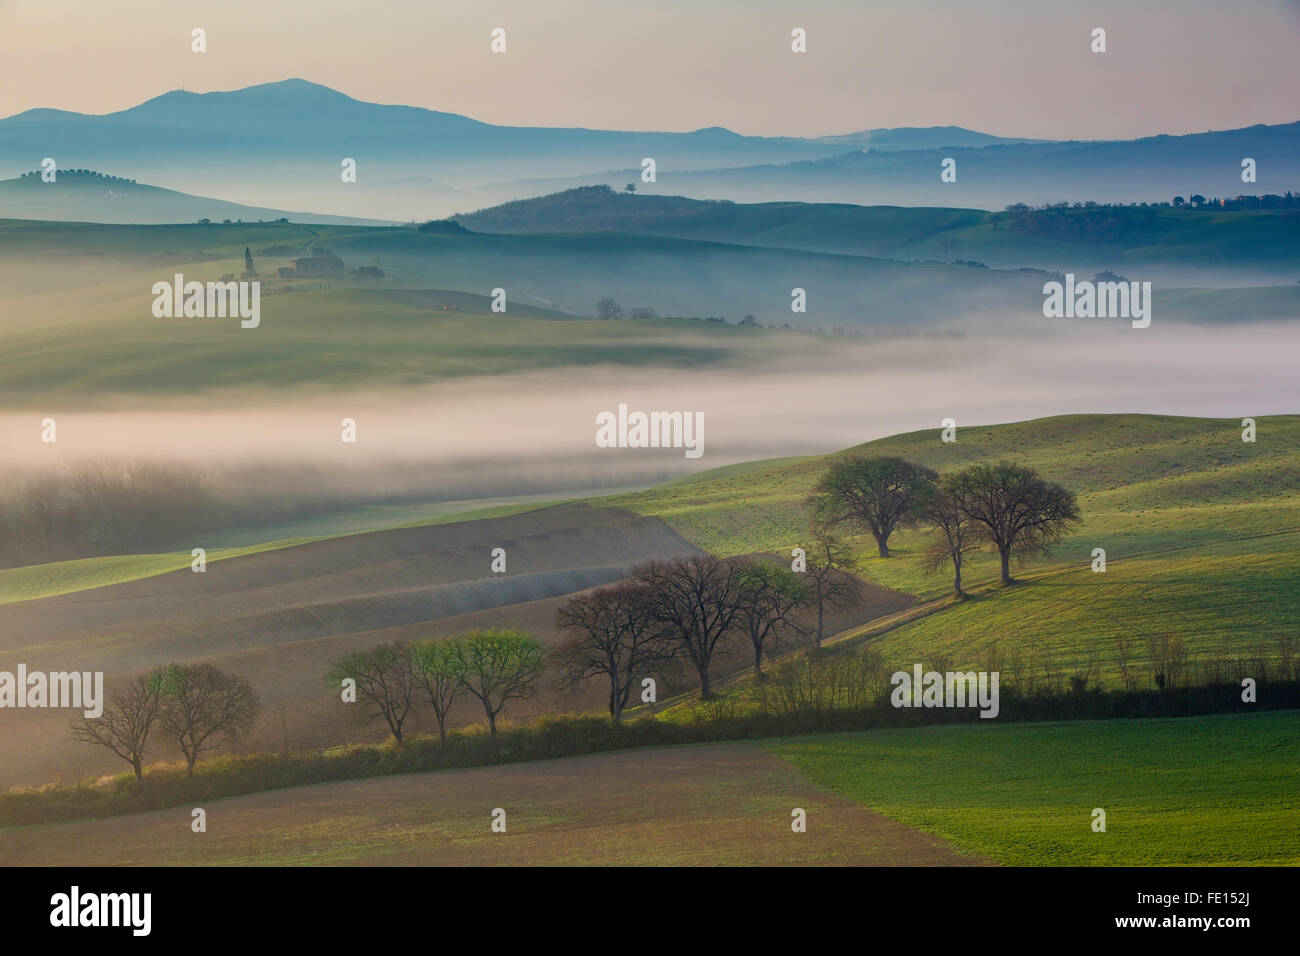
<point>830,572</point>
<point>202,708</point>
<point>1124,660</point>
<point>947,510</point>
<point>436,670</point>
<point>496,667</point>
<point>696,598</point>
<point>878,494</point>
<point>124,725</point>
<point>1167,658</point>
<point>614,635</point>
<point>385,682</point>
<point>769,595</point>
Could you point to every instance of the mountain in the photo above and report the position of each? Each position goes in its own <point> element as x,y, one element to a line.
<point>920,137</point>
<point>1154,168</point>
<point>283,143</point>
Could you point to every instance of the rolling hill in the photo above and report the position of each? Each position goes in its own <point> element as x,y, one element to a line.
<point>1202,534</point>
<point>78,195</point>
<point>1091,239</point>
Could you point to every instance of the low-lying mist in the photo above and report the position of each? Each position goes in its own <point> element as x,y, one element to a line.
<point>146,477</point>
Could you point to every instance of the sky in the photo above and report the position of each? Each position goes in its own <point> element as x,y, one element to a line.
<point>1010,67</point>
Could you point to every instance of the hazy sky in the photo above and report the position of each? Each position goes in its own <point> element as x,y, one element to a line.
<point>1014,67</point>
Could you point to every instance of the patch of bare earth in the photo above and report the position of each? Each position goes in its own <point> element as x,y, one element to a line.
<point>716,804</point>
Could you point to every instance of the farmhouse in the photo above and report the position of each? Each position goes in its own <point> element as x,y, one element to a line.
<point>321,262</point>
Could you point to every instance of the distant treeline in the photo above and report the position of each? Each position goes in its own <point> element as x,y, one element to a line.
<point>1100,222</point>
<point>93,174</point>
<point>101,508</point>
<point>112,507</point>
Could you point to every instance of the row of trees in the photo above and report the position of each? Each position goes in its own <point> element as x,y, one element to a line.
<point>688,609</point>
<point>196,705</point>
<point>494,667</point>
<point>607,308</point>
<point>1005,505</point>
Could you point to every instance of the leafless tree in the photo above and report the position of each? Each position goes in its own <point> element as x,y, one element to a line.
<point>697,599</point>
<point>203,707</point>
<point>385,682</point>
<point>830,574</point>
<point>613,634</point>
<point>124,725</point>
<point>769,595</point>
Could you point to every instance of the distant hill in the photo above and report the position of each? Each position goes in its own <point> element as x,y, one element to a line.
<point>1153,168</point>
<point>84,195</point>
<point>1098,238</point>
<point>921,137</point>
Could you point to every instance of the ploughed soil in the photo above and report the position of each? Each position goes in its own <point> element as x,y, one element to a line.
<point>711,804</point>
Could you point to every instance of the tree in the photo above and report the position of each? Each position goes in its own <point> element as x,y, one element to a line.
<point>1197,200</point>
<point>124,725</point>
<point>1018,511</point>
<point>497,666</point>
<point>947,510</point>
<point>769,595</point>
<point>203,707</point>
<point>830,563</point>
<point>697,600</point>
<point>614,636</point>
<point>607,308</point>
<point>878,494</point>
<point>1178,200</point>
<point>385,681</point>
<point>436,670</point>
<point>630,187</point>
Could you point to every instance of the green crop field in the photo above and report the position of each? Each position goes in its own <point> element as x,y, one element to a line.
<point>1195,791</point>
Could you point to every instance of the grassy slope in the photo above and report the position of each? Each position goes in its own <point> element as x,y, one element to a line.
<point>1198,791</point>
<point>1201,530</point>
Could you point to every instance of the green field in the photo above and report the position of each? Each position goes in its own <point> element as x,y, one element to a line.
<point>1196,791</point>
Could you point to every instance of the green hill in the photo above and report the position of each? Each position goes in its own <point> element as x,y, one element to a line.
<point>1201,532</point>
